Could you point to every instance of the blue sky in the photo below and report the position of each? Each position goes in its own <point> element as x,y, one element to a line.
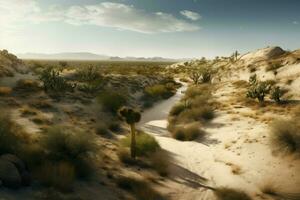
<point>168,28</point>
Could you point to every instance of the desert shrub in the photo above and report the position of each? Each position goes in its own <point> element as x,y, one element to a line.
<point>53,82</point>
<point>138,188</point>
<point>195,91</point>
<point>195,76</point>
<point>177,109</point>
<point>27,85</point>
<point>60,175</point>
<point>10,141</point>
<point>112,101</point>
<point>160,162</point>
<point>124,155</point>
<point>258,91</point>
<point>188,132</point>
<point>5,91</point>
<point>160,90</point>
<point>88,74</point>
<point>114,126</point>
<point>102,129</point>
<point>63,145</point>
<point>285,136</point>
<point>276,94</point>
<point>145,143</point>
<point>41,104</point>
<point>204,113</point>
<point>231,194</point>
<point>206,74</point>
<point>202,74</point>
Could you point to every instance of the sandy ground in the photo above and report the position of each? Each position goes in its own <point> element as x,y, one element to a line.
<point>235,154</point>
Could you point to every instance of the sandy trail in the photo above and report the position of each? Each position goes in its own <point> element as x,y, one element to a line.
<point>235,154</point>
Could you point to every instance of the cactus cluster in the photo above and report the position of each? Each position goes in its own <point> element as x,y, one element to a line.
<point>259,89</point>
<point>53,82</point>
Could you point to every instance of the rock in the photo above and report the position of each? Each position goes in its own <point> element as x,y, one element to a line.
<point>9,174</point>
<point>19,164</point>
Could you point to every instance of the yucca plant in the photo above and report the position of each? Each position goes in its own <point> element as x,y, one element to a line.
<point>131,116</point>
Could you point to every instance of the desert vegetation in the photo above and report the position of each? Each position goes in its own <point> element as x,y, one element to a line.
<point>78,126</point>
<point>195,108</point>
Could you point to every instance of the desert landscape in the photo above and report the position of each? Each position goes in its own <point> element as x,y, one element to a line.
<point>149,100</point>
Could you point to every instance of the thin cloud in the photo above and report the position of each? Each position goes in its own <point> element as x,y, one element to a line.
<point>295,22</point>
<point>107,14</point>
<point>190,15</point>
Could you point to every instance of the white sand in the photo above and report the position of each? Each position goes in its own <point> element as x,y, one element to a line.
<point>247,151</point>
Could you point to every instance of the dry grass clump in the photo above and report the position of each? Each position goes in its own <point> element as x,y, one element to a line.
<point>139,189</point>
<point>41,104</point>
<point>60,175</point>
<point>11,136</point>
<point>75,147</point>
<point>5,91</point>
<point>241,84</point>
<point>196,106</point>
<point>27,111</point>
<point>28,85</point>
<point>285,136</point>
<point>231,194</point>
<point>188,133</point>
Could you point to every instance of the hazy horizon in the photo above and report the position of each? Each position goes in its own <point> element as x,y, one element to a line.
<point>181,29</point>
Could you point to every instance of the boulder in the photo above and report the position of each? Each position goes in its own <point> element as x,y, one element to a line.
<point>9,174</point>
<point>19,164</point>
<point>21,167</point>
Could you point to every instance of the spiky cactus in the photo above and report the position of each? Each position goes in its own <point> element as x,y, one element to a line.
<point>276,94</point>
<point>131,116</point>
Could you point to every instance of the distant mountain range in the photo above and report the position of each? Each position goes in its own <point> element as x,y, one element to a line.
<point>88,56</point>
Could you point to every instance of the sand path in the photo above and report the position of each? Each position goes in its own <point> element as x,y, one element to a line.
<point>235,154</point>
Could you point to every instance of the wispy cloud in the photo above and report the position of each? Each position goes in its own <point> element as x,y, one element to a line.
<point>106,14</point>
<point>190,15</point>
<point>295,22</point>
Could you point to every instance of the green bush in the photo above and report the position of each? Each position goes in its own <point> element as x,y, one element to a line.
<point>145,143</point>
<point>285,136</point>
<point>188,133</point>
<point>112,101</point>
<point>53,82</point>
<point>74,147</point>
<point>258,91</point>
<point>160,91</point>
<point>276,94</point>
<point>88,74</point>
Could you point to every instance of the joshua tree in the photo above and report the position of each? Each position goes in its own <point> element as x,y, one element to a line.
<point>130,116</point>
